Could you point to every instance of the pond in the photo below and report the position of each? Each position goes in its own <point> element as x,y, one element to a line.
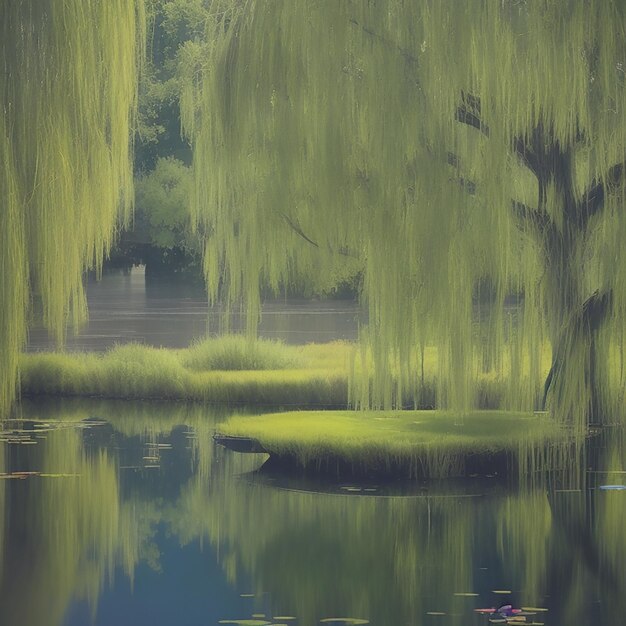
<point>128,514</point>
<point>124,307</point>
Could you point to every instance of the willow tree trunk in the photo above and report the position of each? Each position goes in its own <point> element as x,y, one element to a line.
<point>573,384</point>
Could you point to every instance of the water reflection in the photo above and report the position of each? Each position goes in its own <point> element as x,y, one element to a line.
<point>119,506</point>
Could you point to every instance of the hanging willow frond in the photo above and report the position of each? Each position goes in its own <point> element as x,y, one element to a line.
<point>348,112</point>
<point>68,96</point>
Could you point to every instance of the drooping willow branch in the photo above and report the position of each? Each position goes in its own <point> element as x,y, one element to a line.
<point>295,226</point>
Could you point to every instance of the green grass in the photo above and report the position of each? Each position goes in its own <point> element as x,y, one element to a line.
<point>429,442</point>
<point>236,370</point>
<point>235,352</point>
<point>226,369</point>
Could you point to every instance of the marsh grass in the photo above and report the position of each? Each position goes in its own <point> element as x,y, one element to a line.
<point>236,352</point>
<point>429,443</point>
<point>260,372</point>
<point>226,369</point>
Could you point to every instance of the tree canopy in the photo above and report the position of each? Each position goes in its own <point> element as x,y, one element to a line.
<point>446,146</point>
<point>68,95</point>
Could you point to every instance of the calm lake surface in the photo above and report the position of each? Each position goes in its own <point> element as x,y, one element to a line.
<point>120,514</point>
<point>128,514</point>
<point>123,308</point>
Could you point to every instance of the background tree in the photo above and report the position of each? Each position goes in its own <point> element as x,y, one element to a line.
<point>444,145</point>
<point>160,236</point>
<point>68,95</point>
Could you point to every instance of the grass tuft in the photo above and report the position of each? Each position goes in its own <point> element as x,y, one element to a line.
<point>236,352</point>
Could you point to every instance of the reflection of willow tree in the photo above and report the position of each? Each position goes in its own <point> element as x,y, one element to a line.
<point>447,147</point>
<point>392,559</point>
<point>570,544</point>
<point>385,559</point>
<point>524,530</point>
<point>67,96</point>
<point>65,539</point>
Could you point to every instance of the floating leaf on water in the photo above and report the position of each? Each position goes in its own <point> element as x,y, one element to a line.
<point>435,613</point>
<point>533,608</point>
<point>465,594</point>
<point>246,595</point>
<point>613,487</point>
<point>344,620</point>
<point>500,591</point>
<point>284,618</point>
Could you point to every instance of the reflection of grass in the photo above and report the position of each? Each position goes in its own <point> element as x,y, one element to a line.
<point>429,441</point>
<point>213,370</point>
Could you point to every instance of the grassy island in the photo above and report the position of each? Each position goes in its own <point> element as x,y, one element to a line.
<point>413,443</point>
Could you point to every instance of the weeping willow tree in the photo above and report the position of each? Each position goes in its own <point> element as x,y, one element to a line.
<point>68,93</point>
<point>445,146</point>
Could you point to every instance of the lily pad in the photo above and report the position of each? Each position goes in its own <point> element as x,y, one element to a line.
<point>246,622</point>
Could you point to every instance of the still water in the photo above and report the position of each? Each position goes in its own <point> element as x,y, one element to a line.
<point>119,514</point>
<point>123,308</point>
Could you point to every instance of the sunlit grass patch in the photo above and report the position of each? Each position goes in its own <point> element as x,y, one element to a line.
<point>432,441</point>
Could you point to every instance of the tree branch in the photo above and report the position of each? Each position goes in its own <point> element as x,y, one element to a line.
<point>593,198</point>
<point>539,219</point>
<point>467,184</point>
<point>298,230</point>
<point>468,112</point>
<point>527,156</point>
